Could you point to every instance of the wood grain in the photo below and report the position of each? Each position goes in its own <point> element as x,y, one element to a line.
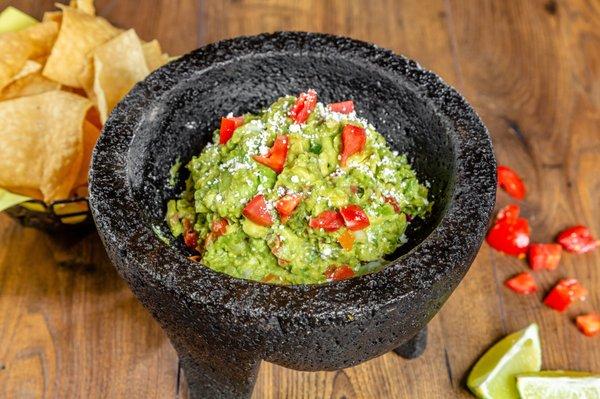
<point>532,71</point>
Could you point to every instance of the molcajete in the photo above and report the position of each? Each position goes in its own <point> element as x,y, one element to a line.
<point>222,327</point>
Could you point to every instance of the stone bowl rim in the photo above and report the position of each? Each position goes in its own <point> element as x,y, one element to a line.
<point>405,276</point>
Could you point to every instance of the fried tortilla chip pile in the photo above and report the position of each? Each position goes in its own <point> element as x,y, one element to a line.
<point>59,81</point>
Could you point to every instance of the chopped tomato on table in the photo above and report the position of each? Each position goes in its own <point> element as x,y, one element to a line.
<point>522,283</point>
<point>347,239</point>
<point>354,139</point>
<point>589,324</point>
<point>344,107</point>
<point>577,239</point>
<point>286,205</point>
<point>256,210</point>
<point>329,221</point>
<point>228,126</point>
<point>544,256</point>
<point>564,293</point>
<point>336,273</point>
<point>275,159</point>
<point>304,105</point>
<point>510,182</point>
<point>190,236</point>
<point>354,217</point>
<point>510,233</point>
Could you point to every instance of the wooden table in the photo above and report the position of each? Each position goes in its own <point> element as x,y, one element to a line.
<point>531,69</point>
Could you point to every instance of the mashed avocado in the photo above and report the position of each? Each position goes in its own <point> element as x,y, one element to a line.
<point>301,193</point>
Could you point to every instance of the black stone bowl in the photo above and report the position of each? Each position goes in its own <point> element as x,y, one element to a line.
<point>222,327</point>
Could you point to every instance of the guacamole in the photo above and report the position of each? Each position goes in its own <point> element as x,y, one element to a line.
<point>301,193</point>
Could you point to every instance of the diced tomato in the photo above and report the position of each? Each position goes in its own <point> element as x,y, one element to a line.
<point>544,256</point>
<point>392,201</point>
<point>564,293</point>
<point>522,283</point>
<point>354,217</point>
<point>219,227</point>
<point>286,206</point>
<point>589,324</point>
<point>275,159</point>
<point>510,182</point>
<point>510,234</point>
<point>305,103</point>
<point>344,107</point>
<point>577,239</point>
<point>354,139</point>
<point>190,236</point>
<point>256,210</point>
<point>509,213</point>
<point>228,126</point>
<point>336,273</point>
<point>347,239</point>
<point>327,220</point>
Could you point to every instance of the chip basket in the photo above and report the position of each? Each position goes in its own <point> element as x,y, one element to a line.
<point>64,216</point>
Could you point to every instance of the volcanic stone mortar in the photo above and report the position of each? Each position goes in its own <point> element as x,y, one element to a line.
<point>222,327</point>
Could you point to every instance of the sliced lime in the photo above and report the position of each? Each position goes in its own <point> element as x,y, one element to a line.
<point>559,385</point>
<point>12,20</point>
<point>493,376</point>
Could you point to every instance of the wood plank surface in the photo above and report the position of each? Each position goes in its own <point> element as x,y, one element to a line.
<point>69,327</point>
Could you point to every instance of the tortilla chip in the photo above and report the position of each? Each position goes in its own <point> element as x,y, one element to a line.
<point>42,142</point>
<point>54,16</point>
<point>79,34</point>
<point>18,47</point>
<point>154,55</point>
<point>118,65</point>
<point>29,68</point>
<point>86,6</point>
<point>86,77</point>
<point>90,135</point>
<point>28,86</point>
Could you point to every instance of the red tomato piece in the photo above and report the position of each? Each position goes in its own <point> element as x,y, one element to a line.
<point>190,236</point>
<point>275,159</point>
<point>347,239</point>
<point>577,239</point>
<point>544,256</point>
<point>510,234</point>
<point>392,201</point>
<point>564,293</point>
<point>304,105</point>
<point>589,324</point>
<point>334,273</point>
<point>509,181</point>
<point>256,210</point>
<point>354,139</point>
<point>219,227</point>
<point>522,283</point>
<point>509,213</point>
<point>286,205</point>
<point>344,107</point>
<point>329,221</point>
<point>228,126</point>
<point>354,217</point>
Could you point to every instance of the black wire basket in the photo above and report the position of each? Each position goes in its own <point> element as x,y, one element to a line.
<point>70,215</point>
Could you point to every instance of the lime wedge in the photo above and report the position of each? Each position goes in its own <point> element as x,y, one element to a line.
<point>8,199</point>
<point>12,20</point>
<point>559,385</point>
<point>493,376</point>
